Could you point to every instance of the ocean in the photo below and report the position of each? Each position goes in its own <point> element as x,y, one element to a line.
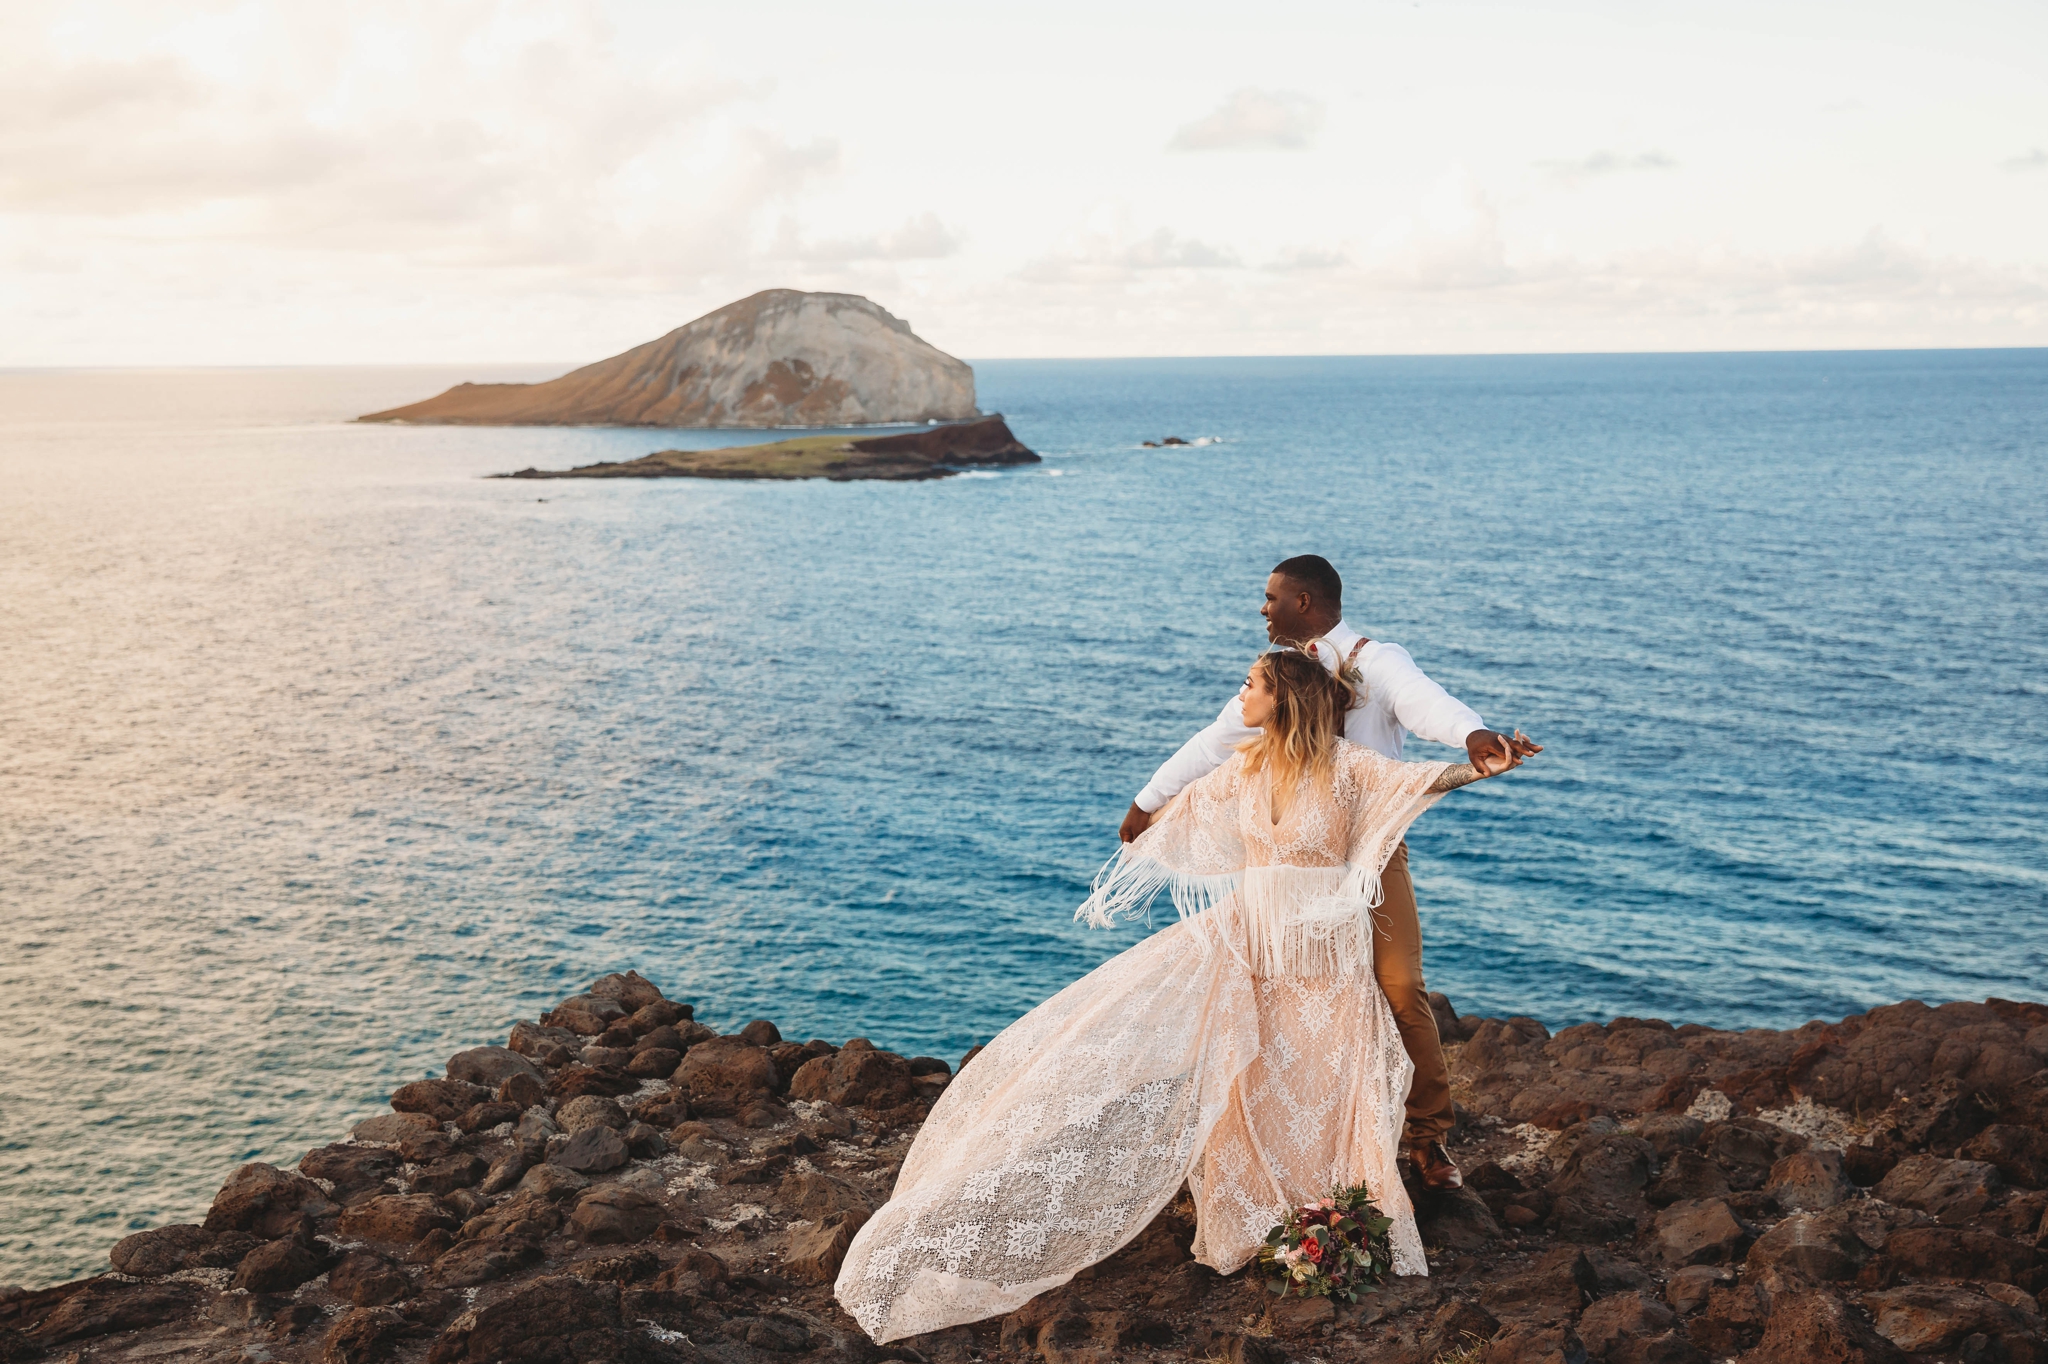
<point>323,756</point>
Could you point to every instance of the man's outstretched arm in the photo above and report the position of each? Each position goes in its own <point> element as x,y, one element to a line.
<point>1197,758</point>
<point>1429,712</point>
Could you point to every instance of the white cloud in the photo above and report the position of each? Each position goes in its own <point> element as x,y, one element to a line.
<point>1606,163</point>
<point>1105,259</point>
<point>1254,120</point>
<point>922,237</point>
<point>2034,160</point>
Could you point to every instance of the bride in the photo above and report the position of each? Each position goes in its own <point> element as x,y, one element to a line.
<point>1246,1051</point>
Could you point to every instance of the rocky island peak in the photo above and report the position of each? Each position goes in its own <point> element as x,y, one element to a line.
<point>781,357</point>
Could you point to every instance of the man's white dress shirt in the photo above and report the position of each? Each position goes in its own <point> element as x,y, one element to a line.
<point>1399,700</point>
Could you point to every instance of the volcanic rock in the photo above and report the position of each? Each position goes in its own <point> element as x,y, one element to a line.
<point>397,1218</point>
<point>368,1280</point>
<point>279,1266</point>
<point>264,1201</point>
<point>1952,1191</point>
<point>851,1078</point>
<point>158,1251</point>
<point>441,1100</point>
<point>366,1335</point>
<point>777,358</point>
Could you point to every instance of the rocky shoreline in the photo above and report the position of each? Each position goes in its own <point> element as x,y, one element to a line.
<point>622,1182</point>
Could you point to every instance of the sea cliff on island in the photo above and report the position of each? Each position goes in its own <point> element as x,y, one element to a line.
<point>621,1181</point>
<point>781,357</point>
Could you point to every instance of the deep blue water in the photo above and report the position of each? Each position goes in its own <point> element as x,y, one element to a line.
<point>324,756</point>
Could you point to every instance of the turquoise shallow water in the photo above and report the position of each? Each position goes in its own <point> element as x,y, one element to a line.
<point>321,756</point>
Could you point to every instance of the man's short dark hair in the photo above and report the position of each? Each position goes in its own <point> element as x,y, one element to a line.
<point>1313,572</point>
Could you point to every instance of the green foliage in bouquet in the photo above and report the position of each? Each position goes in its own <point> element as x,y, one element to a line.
<point>1335,1248</point>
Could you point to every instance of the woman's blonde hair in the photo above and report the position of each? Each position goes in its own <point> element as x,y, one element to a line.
<point>1309,705</point>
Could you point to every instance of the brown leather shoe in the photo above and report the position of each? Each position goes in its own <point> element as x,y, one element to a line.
<point>1435,1168</point>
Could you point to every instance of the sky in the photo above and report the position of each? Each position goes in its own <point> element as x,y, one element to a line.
<point>496,181</point>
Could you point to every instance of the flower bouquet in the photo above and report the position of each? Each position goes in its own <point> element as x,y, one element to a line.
<point>1336,1248</point>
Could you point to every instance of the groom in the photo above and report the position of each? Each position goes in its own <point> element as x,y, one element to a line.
<point>1305,609</point>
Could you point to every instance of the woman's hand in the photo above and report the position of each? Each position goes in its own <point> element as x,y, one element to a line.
<point>1135,823</point>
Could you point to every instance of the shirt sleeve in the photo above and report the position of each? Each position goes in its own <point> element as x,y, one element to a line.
<point>1422,707</point>
<point>1198,757</point>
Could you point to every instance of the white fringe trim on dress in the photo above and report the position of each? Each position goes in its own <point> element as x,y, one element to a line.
<point>1127,884</point>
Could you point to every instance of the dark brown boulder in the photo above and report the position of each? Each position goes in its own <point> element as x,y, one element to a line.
<point>655,1063</point>
<point>1551,1290</point>
<point>815,1196</point>
<point>614,1215</point>
<point>760,1033</point>
<point>593,1151</point>
<point>1929,1319</point>
<point>1600,1188</point>
<point>815,1250</point>
<point>1633,1328</point>
<point>522,1091</point>
<point>489,1067</point>
<point>265,1202</point>
<point>726,1070</point>
<point>1457,1219</point>
<point>1688,1176</point>
<point>1698,1233</point>
<point>1951,1191</point>
<point>575,1080</point>
<point>1731,1321</point>
<point>396,1218</point>
<point>365,1335</point>
<point>852,1078</point>
<point>589,1110</point>
<point>470,1263</point>
<point>279,1266</point>
<point>1526,1343</point>
<point>103,1308</point>
<point>631,989</point>
<point>538,1039</point>
<point>2020,1154</point>
<point>159,1251</point>
<point>1919,1254</point>
<point>350,1168</point>
<point>1810,1181</point>
<point>441,1100</point>
<point>1803,1251</point>
<point>1819,1328</point>
<point>486,1116</point>
<point>459,1171</point>
<point>389,1129</point>
<point>558,1309</point>
<point>368,1280</point>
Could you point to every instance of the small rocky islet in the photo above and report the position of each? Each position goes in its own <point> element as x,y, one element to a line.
<point>620,1182</point>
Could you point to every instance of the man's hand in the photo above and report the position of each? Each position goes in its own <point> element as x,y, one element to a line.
<point>1135,823</point>
<point>1494,753</point>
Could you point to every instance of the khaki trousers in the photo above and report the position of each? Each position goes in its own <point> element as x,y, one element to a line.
<point>1397,961</point>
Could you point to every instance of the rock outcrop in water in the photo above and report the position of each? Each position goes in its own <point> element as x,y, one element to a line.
<point>779,358</point>
<point>934,452</point>
<point>621,1182</point>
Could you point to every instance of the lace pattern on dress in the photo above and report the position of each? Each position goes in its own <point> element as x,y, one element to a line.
<point>1246,1051</point>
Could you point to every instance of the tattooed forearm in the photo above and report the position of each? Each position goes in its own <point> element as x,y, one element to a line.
<point>1455,776</point>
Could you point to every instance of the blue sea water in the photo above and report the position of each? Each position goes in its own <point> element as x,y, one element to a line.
<point>322,756</point>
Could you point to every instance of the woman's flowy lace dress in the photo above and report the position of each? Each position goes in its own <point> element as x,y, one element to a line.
<point>1246,1051</point>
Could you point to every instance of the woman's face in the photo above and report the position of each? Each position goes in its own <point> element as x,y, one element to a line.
<point>1256,697</point>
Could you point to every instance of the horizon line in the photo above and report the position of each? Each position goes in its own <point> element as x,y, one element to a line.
<point>173,366</point>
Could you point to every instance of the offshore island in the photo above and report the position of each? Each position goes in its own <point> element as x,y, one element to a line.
<point>779,358</point>
<point>619,1181</point>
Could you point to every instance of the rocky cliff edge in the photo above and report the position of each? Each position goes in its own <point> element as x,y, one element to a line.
<point>621,1182</point>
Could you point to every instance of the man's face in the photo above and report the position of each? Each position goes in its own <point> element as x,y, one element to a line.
<point>1286,602</point>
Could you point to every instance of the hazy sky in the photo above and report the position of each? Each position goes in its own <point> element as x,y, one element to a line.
<point>473,180</point>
